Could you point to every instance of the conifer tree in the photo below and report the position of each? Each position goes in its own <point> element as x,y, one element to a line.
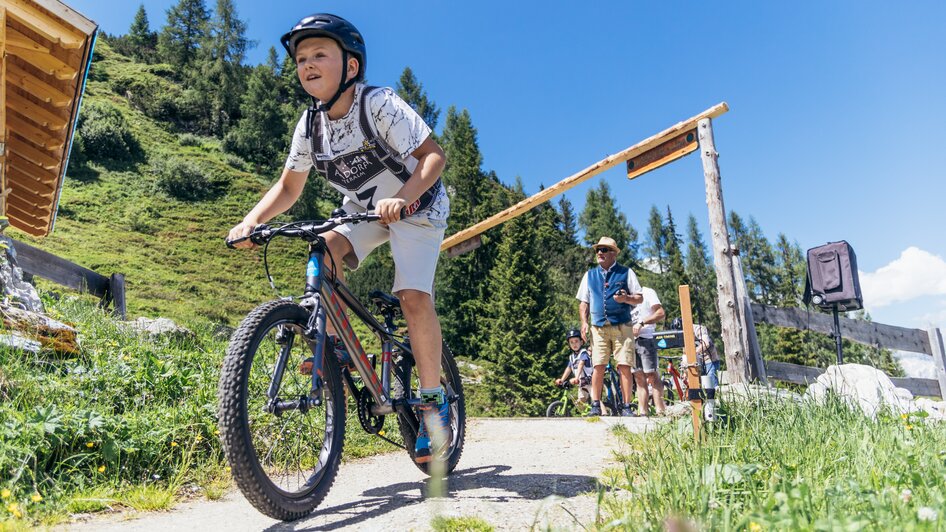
<point>261,131</point>
<point>223,76</point>
<point>141,41</point>
<point>524,329</point>
<point>601,217</point>
<point>576,257</point>
<point>675,273</point>
<point>181,38</point>
<point>701,277</point>
<point>412,92</point>
<point>656,240</point>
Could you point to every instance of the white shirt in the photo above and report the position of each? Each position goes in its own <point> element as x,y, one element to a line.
<point>397,124</point>
<point>644,310</point>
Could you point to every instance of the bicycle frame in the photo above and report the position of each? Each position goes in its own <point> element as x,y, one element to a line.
<point>675,375</point>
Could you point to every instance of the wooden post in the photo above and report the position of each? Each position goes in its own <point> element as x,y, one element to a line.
<point>689,351</point>
<point>939,358</point>
<point>754,352</point>
<point>729,316</point>
<point>116,289</point>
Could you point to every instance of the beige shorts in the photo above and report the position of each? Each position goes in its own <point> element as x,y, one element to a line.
<point>613,341</point>
<point>415,246</point>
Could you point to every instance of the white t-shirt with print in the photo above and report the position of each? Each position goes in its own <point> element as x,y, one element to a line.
<point>396,123</point>
<point>644,310</point>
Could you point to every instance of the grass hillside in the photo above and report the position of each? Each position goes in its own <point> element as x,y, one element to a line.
<point>114,217</point>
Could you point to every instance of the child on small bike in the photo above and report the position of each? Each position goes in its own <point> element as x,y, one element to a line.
<point>579,363</point>
<point>376,150</point>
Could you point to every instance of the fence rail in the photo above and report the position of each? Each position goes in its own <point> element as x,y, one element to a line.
<point>34,261</point>
<point>864,332</point>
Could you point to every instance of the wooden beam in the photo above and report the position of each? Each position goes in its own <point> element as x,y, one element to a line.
<point>689,352</point>
<point>582,176</point>
<point>25,224</point>
<point>671,150</point>
<point>36,112</point>
<point>29,152</point>
<point>753,351</point>
<point>37,87</point>
<point>39,175</point>
<point>22,182</point>
<point>730,315</point>
<point>68,15</point>
<point>59,270</point>
<point>29,212</point>
<point>28,196</point>
<point>16,39</point>
<point>33,133</point>
<point>860,331</point>
<point>3,110</point>
<point>47,63</point>
<point>43,24</point>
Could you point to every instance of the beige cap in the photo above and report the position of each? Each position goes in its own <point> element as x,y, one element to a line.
<point>607,243</point>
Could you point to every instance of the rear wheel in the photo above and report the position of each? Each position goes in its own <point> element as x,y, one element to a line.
<point>406,383</point>
<point>558,409</point>
<point>284,463</point>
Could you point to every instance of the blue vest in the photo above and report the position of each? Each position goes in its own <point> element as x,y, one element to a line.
<point>601,290</point>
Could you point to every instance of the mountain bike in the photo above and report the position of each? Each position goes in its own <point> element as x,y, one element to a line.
<point>673,381</point>
<point>612,396</point>
<point>282,430</point>
<point>566,405</point>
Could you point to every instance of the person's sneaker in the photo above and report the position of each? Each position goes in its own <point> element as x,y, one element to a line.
<point>595,409</point>
<point>626,410</point>
<point>434,428</point>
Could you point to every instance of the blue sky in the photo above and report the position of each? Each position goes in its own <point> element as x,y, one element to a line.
<point>834,132</point>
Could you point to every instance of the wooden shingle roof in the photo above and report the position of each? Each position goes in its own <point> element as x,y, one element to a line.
<point>46,48</point>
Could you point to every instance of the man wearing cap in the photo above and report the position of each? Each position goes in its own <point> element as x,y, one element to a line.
<point>606,295</point>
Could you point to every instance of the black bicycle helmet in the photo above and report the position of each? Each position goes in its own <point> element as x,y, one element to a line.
<point>677,324</point>
<point>343,32</point>
<point>572,333</point>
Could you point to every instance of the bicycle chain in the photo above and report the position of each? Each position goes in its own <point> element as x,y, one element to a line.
<point>370,422</point>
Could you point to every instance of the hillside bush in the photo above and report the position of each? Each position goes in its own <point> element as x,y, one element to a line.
<point>161,99</point>
<point>182,179</point>
<point>103,134</point>
<point>190,139</point>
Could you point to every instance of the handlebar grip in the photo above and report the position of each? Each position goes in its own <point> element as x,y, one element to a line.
<point>231,243</point>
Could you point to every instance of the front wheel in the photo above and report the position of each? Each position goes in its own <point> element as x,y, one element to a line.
<point>558,409</point>
<point>284,462</point>
<point>406,384</point>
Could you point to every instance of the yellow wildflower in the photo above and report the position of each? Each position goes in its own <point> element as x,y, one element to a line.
<point>755,527</point>
<point>5,493</point>
<point>101,469</point>
<point>36,497</point>
<point>15,510</point>
<point>199,438</point>
<point>904,416</point>
<point>90,444</point>
<point>380,433</point>
<point>173,444</point>
<point>909,427</point>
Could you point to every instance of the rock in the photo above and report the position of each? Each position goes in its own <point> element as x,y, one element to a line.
<point>161,327</point>
<point>936,409</point>
<point>743,391</point>
<point>20,343</point>
<point>864,387</point>
<point>15,291</point>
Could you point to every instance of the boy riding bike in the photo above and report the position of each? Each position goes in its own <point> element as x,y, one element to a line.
<point>579,363</point>
<point>376,150</point>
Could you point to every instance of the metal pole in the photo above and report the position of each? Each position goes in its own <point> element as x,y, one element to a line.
<point>837,336</point>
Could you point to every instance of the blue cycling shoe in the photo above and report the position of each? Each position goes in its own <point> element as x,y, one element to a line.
<point>434,425</point>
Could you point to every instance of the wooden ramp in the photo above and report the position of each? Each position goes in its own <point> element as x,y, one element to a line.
<point>46,48</point>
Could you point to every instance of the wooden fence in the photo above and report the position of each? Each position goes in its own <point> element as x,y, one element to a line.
<point>864,332</point>
<point>34,261</point>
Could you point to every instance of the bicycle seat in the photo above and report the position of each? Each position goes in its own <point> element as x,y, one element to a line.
<point>386,302</point>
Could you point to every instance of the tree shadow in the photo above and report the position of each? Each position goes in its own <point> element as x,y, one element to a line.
<point>382,500</point>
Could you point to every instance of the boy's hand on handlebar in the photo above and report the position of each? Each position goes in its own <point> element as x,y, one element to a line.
<point>241,230</point>
<point>574,381</point>
<point>558,382</point>
<point>389,209</point>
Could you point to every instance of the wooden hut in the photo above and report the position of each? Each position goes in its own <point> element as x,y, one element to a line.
<point>46,48</point>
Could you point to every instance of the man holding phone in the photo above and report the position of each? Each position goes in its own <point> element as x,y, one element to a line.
<point>606,296</point>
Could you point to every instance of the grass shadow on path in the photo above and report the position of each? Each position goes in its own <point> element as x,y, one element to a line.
<point>504,488</point>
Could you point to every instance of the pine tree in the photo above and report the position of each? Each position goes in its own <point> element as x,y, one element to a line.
<point>261,130</point>
<point>141,41</point>
<point>656,241</point>
<point>675,273</point>
<point>601,217</point>
<point>701,278</point>
<point>576,258</point>
<point>222,78</point>
<point>181,38</point>
<point>412,92</point>
<point>524,329</point>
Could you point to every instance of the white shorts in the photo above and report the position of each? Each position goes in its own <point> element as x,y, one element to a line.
<point>415,246</point>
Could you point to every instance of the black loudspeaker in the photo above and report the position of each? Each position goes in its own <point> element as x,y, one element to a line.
<point>832,282</point>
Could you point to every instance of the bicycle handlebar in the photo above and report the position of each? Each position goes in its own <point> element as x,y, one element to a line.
<point>263,233</point>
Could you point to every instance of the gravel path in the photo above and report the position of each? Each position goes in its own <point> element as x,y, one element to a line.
<point>514,473</point>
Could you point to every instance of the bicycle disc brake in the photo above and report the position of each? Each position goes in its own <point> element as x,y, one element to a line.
<point>370,422</point>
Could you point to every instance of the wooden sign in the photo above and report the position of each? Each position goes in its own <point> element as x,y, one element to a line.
<point>669,151</point>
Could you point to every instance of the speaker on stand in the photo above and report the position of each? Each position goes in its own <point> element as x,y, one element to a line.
<point>833,284</point>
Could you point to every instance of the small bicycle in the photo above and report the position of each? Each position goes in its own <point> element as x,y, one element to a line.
<point>566,405</point>
<point>282,429</point>
<point>673,381</point>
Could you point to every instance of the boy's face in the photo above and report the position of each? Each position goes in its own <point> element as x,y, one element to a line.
<point>319,65</point>
<point>575,343</point>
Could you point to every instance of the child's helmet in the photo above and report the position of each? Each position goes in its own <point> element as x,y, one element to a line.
<point>572,333</point>
<point>334,27</point>
<point>677,324</point>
